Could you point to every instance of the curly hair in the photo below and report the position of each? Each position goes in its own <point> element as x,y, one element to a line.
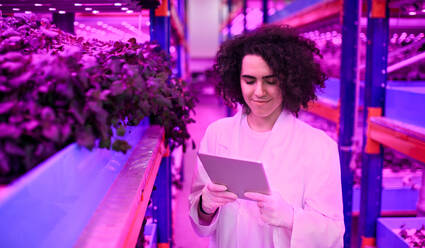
<point>290,57</point>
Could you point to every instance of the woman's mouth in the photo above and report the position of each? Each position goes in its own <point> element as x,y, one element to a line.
<point>261,101</point>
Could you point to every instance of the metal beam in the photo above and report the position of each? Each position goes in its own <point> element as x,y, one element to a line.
<point>375,83</point>
<point>244,6</point>
<point>160,26</point>
<point>350,35</point>
<point>229,23</point>
<point>161,198</point>
<point>265,11</point>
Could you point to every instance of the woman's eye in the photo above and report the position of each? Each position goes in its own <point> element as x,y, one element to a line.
<point>271,82</point>
<point>250,82</point>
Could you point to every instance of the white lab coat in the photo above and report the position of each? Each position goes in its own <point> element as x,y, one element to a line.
<point>301,163</point>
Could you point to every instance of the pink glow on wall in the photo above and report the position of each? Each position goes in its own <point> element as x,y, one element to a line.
<point>280,6</point>
<point>203,20</point>
<point>254,18</point>
<point>237,25</point>
<point>120,28</point>
<point>225,31</point>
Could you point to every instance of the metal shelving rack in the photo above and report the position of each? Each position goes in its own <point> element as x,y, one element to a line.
<point>379,130</point>
<point>158,162</point>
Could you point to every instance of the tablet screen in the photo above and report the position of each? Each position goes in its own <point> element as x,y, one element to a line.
<point>239,176</point>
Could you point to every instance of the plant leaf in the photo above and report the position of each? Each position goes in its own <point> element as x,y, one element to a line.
<point>4,163</point>
<point>12,148</point>
<point>9,131</point>
<point>51,131</point>
<point>85,137</point>
<point>6,107</point>
<point>121,146</point>
<point>121,131</point>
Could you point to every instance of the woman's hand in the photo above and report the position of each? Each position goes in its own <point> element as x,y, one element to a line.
<point>215,196</point>
<point>274,209</point>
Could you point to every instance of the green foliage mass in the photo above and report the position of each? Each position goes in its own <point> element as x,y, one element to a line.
<point>56,89</point>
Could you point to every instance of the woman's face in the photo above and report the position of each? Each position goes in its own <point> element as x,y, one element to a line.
<point>260,87</point>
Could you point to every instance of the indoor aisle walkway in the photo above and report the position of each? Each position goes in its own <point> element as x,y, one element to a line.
<point>208,110</point>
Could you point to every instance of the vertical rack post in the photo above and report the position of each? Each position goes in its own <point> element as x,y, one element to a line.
<point>161,197</point>
<point>186,36</point>
<point>265,11</point>
<point>229,24</point>
<point>229,36</point>
<point>375,83</point>
<point>160,25</point>
<point>180,47</point>
<point>244,6</point>
<point>350,30</point>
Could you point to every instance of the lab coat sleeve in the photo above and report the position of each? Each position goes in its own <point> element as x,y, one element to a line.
<point>200,179</point>
<point>320,221</point>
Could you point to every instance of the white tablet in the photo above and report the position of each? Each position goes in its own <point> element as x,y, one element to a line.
<point>239,176</point>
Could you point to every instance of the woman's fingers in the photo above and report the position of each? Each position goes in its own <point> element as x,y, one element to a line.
<point>256,196</point>
<point>225,195</point>
<point>221,191</point>
<point>216,187</point>
<point>224,201</point>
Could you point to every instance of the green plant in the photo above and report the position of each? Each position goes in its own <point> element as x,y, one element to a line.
<point>56,89</point>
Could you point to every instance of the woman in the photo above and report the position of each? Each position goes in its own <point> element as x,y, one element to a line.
<point>271,72</point>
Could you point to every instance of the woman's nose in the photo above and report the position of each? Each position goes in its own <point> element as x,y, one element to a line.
<point>259,89</point>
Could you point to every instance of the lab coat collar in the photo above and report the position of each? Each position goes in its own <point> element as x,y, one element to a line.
<point>279,137</point>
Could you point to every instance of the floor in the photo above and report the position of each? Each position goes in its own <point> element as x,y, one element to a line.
<point>207,110</point>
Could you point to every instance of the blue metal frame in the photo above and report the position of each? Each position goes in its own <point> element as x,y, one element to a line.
<point>180,48</point>
<point>229,24</point>
<point>375,83</point>
<point>347,96</point>
<point>244,6</point>
<point>161,197</point>
<point>229,36</point>
<point>404,103</point>
<point>265,11</point>
<point>160,30</point>
<point>186,36</point>
<point>161,201</point>
<point>292,8</point>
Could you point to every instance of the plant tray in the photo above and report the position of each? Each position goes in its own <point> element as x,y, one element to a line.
<point>387,238</point>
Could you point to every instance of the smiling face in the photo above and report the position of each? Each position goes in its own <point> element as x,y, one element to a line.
<point>260,89</point>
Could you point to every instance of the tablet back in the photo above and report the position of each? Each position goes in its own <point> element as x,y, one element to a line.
<point>239,176</point>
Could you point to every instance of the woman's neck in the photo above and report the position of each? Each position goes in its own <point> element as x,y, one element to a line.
<point>262,124</point>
